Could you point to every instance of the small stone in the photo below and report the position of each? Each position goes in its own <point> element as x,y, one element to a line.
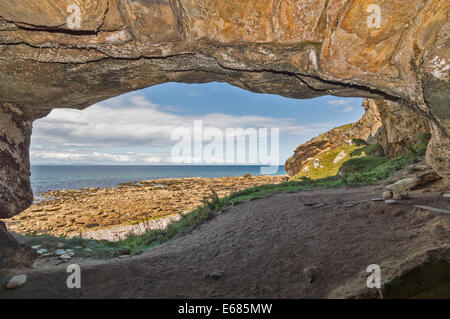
<point>78,247</point>
<point>350,204</point>
<point>60,252</point>
<point>88,249</point>
<point>16,281</point>
<point>378,199</point>
<point>447,195</point>
<point>36,247</point>
<point>216,274</point>
<point>65,257</point>
<point>390,201</point>
<point>41,251</point>
<point>60,245</point>
<point>388,195</point>
<point>124,256</point>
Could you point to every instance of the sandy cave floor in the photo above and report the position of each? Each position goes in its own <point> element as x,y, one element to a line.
<point>260,249</point>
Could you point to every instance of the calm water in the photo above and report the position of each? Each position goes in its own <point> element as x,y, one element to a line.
<point>45,178</point>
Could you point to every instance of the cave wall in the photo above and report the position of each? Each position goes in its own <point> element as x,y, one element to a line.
<point>50,57</point>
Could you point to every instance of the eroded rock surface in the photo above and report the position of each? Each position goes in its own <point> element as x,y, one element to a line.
<point>63,53</point>
<point>394,126</point>
<point>365,129</point>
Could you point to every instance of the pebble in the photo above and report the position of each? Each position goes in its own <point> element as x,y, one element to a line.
<point>16,281</point>
<point>41,251</point>
<point>60,245</point>
<point>390,201</point>
<point>36,247</point>
<point>124,256</point>
<point>60,252</point>
<point>88,249</point>
<point>377,199</point>
<point>65,257</point>
<point>447,195</point>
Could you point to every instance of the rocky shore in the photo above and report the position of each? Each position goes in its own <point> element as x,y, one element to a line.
<point>131,205</point>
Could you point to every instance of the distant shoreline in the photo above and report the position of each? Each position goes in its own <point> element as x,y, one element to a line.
<point>76,212</point>
<point>67,177</point>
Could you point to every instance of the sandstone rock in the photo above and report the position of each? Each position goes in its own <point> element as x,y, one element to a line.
<point>387,195</point>
<point>400,196</point>
<point>335,138</point>
<point>16,282</point>
<point>400,126</point>
<point>412,183</point>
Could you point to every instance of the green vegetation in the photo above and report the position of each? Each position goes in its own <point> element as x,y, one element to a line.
<point>364,164</point>
<point>326,166</point>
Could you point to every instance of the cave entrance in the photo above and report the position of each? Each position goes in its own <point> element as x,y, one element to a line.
<point>128,141</point>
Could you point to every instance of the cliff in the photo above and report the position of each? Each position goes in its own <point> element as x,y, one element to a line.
<point>392,125</point>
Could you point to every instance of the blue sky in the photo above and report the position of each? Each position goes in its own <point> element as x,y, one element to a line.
<point>136,128</point>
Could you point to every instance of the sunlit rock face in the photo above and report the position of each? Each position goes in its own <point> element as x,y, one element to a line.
<point>400,127</point>
<point>394,126</point>
<point>62,53</point>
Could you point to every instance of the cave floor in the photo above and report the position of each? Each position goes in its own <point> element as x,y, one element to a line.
<point>308,244</point>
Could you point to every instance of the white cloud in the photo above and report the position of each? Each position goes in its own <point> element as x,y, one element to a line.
<point>344,105</point>
<point>70,157</point>
<point>133,121</point>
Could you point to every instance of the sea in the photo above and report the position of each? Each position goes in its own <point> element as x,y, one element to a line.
<point>73,177</point>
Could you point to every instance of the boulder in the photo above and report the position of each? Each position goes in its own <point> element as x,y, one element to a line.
<point>412,183</point>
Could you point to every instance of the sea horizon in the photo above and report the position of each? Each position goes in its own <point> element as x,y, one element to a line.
<point>48,177</point>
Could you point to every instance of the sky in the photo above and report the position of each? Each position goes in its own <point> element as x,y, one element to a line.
<point>138,128</point>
